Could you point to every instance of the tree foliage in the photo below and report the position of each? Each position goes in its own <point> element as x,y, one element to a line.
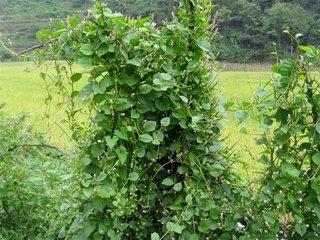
<point>249,28</point>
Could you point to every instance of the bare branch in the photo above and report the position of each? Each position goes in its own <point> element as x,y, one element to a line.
<point>33,48</point>
<point>37,145</point>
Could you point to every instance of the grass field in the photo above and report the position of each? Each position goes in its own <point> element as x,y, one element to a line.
<point>22,90</point>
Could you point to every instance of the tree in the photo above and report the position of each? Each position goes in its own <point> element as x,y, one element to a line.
<point>161,9</point>
<point>240,24</point>
<point>286,15</point>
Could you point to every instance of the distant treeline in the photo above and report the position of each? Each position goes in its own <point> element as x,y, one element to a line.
<point>247,28</point>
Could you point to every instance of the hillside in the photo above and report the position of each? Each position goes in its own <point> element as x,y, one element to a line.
<point>20,19</point>
<point>247,28</point>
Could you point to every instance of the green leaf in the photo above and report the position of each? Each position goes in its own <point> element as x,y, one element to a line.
<point>184,99</point>
<point>146,138</point>
<point>89,227</point>
<point>87,192</point>
<point>129,80</point>
<point>100,87</point>
<point>174,227</point>
<point>177,187</point>
<point>182,169</point>
<point>150,126</point>
<point>102,176</point>
<point>97,71</point>
<point>135,114</point>
<point>122,104</point>
<point>122,134</point>
<point>316,158</point>
<point>85,161</point>
<point>133,176</point>
<point>316,210</point>
<point>140,152</point>
<point>300,228</point>
<point>76,77</point>
<point>318,127</point>
<point>155,236</point>
<point>168,181</point>
<point>102,49</point>
<point>135,62</point>
<point>96,150</point>
<point>87,49</point>
<point>122,154</point>
<point>58,25</point>
<point>145,88</point>
<point>204,44</point>
<point>206,204</point>
<point>281,138</point>
<point>162,77</point>
<point>270,217</point>
<point>261,92</point>
<point>241,115</point>
<point>207,225</point>
<point>74,21</point>
<point>43,35</point>
<point>111,142</point>
<point>165,122</point>
<point>158,137</point>
<point>36,180</point>
<point>106,191</point>
<point>290,171</point>
<point>315,185</point>
<point>193,236</point>
<point>85,62</point>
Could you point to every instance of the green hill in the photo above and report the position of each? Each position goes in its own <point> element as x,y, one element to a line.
<point>247,28</point>
<point>21,19</point>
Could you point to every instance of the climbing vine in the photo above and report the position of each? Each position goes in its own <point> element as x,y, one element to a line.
<point>152,164</point>
<point>287,205</point>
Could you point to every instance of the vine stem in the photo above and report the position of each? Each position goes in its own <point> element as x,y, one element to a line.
<point>37,145</point>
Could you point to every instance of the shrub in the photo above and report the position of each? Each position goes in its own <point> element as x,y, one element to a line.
<point>33,177</point>
<point>287,205</point>
<point>152,163</point>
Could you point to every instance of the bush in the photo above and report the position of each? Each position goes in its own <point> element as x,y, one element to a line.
<point>33,177</point>
<point>287,204</point>
<point>152,164</point>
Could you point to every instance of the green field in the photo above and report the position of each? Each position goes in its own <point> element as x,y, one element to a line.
<point>22,90</point>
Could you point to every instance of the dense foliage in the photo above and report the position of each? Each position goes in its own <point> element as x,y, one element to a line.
<point>152,164</point>
<point>150,160</point>
<point>249,28</point>
<point>287,204</point>
<point>34,183</point>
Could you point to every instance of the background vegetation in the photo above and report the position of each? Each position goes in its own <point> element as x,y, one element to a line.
<point>247,28</point>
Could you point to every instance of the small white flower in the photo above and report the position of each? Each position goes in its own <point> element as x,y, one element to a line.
<point>240,227</point>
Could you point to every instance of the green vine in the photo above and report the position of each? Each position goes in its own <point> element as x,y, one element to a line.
<point>152,165</point>
<point>287,205</point>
